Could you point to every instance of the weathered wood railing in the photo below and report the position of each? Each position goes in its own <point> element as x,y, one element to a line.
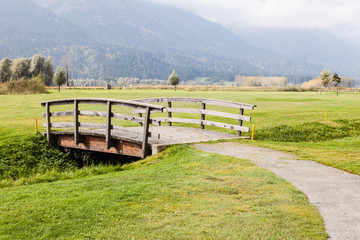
<point>202,111</point>
<point>109,114</point>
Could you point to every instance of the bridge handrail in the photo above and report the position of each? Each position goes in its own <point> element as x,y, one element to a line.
<point>198,100</point>
<point>147,108</point>
<point>203,112</point>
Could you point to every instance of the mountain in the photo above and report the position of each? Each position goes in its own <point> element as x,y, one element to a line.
<point>25,25</point>
<point>313,46</point>
<point>133,38</point>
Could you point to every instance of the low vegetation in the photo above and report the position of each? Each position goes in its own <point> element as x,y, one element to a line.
<point>179,194</point>
<point>23,86</point>
<point>310,132</point>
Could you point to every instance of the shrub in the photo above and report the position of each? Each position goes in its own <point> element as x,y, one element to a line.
<point>23,86</point>
<point>310,132</point>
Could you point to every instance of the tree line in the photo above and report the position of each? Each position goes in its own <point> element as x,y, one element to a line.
<point>26,68</point>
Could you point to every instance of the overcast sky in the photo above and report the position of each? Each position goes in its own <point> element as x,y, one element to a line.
<point>340,16</point>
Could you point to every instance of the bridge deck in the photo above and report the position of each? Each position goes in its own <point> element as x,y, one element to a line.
<point>129,141</point>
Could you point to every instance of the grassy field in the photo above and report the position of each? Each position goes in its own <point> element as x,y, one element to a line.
<point>181,194</point>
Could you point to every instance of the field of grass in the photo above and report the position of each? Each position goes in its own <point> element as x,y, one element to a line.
<point>182,193</point>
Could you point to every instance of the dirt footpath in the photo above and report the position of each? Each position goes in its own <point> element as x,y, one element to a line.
<point>334,192</point>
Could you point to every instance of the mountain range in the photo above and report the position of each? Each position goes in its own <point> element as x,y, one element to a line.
<point>133,38</point>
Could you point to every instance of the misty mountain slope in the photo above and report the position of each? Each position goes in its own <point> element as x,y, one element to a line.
<point>24,25</point>
<point>147,25</point>
<point>312,46</point>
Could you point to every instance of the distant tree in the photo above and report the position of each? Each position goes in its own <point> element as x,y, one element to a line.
<point>174,79</point>
<point>325,76</point>
<point>48,71</point>
<point>66,62</point>
<point>336,80</point>
<point>36,65</point>
<point>20,68</point>
<point>5,70</point>
<point>59,77</point>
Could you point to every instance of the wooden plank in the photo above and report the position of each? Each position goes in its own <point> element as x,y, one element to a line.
<point>48,123</point>
<point>146,133</point>
<point>97,143</point>
<point>126,103</point>
<point>206,112</point>
<point>60,114</point>
<point>198,100</point>
<point>240,120</point>
<point>92,125</point>
<point>209,112</point>
<point>208,123</point>
<point>140,116</point>
<point>108,125</point>
<point>61,125</point>
<point>76,122</point>
<point>169,113</point>
<point>203,107</point>
<point>93,113</point>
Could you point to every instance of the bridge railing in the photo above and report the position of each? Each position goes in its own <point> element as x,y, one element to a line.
<point>109,115</point>
<point>202,112</point>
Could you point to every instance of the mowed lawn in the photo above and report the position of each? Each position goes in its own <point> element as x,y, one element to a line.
<point>180,194</point>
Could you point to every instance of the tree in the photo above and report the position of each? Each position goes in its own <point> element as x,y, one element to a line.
<point>325,76</point>
<point>336,80</point>
<point>66,62</point>
<point>174,79</point>
<point>5,70</point>
<point>20,68</point>
<point>59,77</point>
<point>36,65</point>
<point>48,71</point>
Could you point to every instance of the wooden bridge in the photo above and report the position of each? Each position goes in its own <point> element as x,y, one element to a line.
<point>151,136</point>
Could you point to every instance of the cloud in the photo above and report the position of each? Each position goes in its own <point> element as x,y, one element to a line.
<point>325,14</point>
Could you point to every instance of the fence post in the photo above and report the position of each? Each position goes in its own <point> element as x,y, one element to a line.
<point>241,121</point>
<point>48,123</point>
<point>140,123</point>
<point>203,107</point>
<point>108,125</point>
<point>76,122</point>
<point>169,114</point>
<point>146,132</point>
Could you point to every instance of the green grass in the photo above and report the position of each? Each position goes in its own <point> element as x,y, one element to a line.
<point>180,194</point>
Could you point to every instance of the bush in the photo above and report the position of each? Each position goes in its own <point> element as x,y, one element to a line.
<point>310,132</point>
<point>23,86</point>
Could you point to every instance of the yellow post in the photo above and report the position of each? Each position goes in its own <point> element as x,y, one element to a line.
<point>36,126</point>
<point>326,116</point>
<point>253,132</point>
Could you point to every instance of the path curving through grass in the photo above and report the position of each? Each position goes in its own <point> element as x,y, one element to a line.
<point>334,192</point>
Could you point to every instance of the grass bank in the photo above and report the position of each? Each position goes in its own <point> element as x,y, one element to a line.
<point>180,194</point>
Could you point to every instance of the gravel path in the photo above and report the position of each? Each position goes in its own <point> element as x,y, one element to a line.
<point>335,193</point>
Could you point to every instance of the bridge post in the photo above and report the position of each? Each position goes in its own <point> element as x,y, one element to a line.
<point>240,121</point>
<point>76,122</point>
<point>169,113</point>
<point>146,132</point>
<point>108,125</point>
<point>48,123</point>
<point>203,107</point>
